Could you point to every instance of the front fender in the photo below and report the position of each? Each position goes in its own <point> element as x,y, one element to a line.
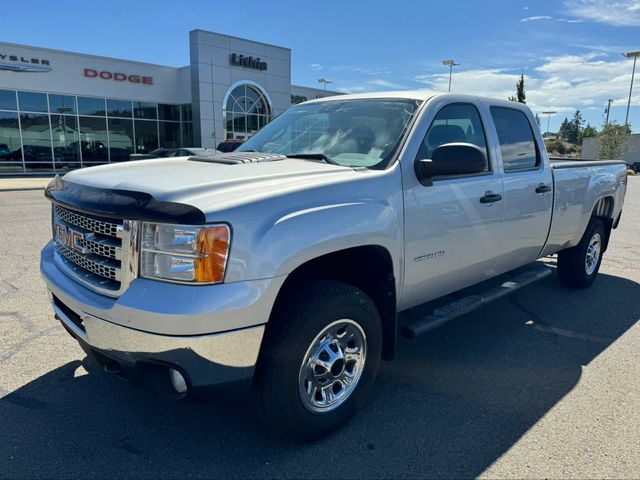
<point>275,237</point>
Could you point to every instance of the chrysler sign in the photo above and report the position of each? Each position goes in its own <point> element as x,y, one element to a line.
<point>19,63</point>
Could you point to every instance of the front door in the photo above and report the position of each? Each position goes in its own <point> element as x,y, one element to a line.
<point>451,236</point>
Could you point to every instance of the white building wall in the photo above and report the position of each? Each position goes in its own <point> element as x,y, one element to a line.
<point>170,85</point>
<point>590,149</point>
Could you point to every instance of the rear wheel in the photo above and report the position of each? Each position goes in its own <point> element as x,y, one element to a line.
<point>578,266</point>
<point>319,360</point>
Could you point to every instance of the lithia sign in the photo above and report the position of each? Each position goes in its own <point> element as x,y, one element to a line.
<point>18,63</point>
<point>247,62</point>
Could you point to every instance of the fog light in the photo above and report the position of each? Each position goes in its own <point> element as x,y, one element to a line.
<point>178,381</point>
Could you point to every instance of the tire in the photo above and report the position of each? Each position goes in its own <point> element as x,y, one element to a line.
<point>575,269</point>
<point>285,381</point>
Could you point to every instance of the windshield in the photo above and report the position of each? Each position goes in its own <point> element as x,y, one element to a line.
<point>363,133</point>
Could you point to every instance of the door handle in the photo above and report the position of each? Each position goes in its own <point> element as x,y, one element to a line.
<point>543,188</point>
<point>490,197</point>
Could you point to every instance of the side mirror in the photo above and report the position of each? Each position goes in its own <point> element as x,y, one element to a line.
<point>451,159</point>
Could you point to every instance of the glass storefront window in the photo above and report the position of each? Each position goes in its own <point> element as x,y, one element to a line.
<point>91,106</point>
<point>36,141</point>
<point>246,111</point>
<point>120,139</point>
<point>10,153</point>
<point>93,140</point>
<point>145,110</point>
<point>169,112</point>
<point>119,108</point>
<point>63,132</point>
<point>146,136</point>
<point>169,135</point>
<point>62,104</point>
<point>32,102</point>
<point>187,134</point>
<point>66,146</point>
<point>186,112</point>
<point>8,100</point>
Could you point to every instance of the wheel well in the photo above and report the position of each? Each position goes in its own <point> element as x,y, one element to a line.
<point>368,268</point>
<point>603,209</point>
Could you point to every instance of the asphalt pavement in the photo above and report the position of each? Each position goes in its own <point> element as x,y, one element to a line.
<point>543,384</point>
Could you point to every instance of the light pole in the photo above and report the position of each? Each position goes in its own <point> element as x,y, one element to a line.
<point>635,56</point>
<point>608,109</point>
<point>549,113</point>
<point>450,63</point>
<point>325,81</point>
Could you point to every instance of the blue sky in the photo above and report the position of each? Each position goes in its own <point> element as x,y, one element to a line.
<point>568,50</point>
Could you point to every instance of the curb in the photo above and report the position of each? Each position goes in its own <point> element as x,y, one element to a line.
<point>21,189</point>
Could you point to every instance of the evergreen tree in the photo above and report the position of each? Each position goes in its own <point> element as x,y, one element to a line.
<point>578,120</point>
<point>520,95</point>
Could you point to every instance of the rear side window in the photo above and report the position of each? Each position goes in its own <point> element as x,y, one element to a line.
<point>456,122</point>
<point>517,143</point>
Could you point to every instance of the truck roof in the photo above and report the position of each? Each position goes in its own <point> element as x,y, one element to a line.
<point>422,95</point>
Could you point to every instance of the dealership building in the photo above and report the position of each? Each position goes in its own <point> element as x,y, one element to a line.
<point>61,110</point>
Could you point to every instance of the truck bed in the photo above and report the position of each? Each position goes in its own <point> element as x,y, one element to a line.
<point>559,162</point>
<point>578,184</point>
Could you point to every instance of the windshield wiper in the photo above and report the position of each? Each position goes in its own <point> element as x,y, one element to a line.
<point>314,156</point>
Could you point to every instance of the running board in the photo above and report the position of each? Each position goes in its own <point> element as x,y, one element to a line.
<point>468,303</point>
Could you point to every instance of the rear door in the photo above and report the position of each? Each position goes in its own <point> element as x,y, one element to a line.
<point>528,188</point>
<point>452,233</point>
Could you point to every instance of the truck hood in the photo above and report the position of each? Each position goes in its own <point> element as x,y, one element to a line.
<point>209,185</point>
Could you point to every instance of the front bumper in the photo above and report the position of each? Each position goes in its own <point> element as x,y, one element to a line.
<point>211,335</point>
<point>207,362</point>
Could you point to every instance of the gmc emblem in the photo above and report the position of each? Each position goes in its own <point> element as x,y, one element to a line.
<point>69,237</point>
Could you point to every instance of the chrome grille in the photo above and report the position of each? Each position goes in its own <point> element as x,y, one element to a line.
<point>87,222</point>
<point>92,263</point>
<point>99,252</point>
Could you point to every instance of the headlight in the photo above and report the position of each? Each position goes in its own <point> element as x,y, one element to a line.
<point>181,253</point>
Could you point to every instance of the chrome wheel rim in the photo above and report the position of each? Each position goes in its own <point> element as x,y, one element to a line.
<point>332,366</point>
<point>593,254</point>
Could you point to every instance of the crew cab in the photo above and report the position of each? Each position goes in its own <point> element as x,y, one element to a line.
<point>281,269</point>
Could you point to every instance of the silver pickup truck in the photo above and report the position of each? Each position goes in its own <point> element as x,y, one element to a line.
<point>282,268</point>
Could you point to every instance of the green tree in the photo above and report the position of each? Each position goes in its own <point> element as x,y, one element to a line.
<point>588,132</point>
<point>520,95</point>
<point>578,121</point>
<point>613,142</point>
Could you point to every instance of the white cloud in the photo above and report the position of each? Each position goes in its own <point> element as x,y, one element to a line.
<point>315,67</point>
<point>378,82</point>
<point>611,12</point>
<point>563,83</point>
<point>354,89</point>
<point>536,18</point>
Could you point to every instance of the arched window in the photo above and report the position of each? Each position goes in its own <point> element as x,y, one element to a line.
<point>246,111</point>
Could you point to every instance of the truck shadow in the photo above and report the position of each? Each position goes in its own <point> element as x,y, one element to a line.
<point>450,405</point>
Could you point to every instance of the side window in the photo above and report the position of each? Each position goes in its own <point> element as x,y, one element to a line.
<point>457,122</point>
<point>517,144</point>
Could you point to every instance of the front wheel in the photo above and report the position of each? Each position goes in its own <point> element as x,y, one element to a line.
<point>578,266</point>
<point>319,360</point>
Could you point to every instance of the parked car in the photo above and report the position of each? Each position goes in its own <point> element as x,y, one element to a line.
<point>635,166</point>
<point>281,268</point>
<point>229,145</point>
<point>175,152</point>
<point>5,151</point>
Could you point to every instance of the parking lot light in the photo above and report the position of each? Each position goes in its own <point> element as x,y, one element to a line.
<point>635,56</point>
